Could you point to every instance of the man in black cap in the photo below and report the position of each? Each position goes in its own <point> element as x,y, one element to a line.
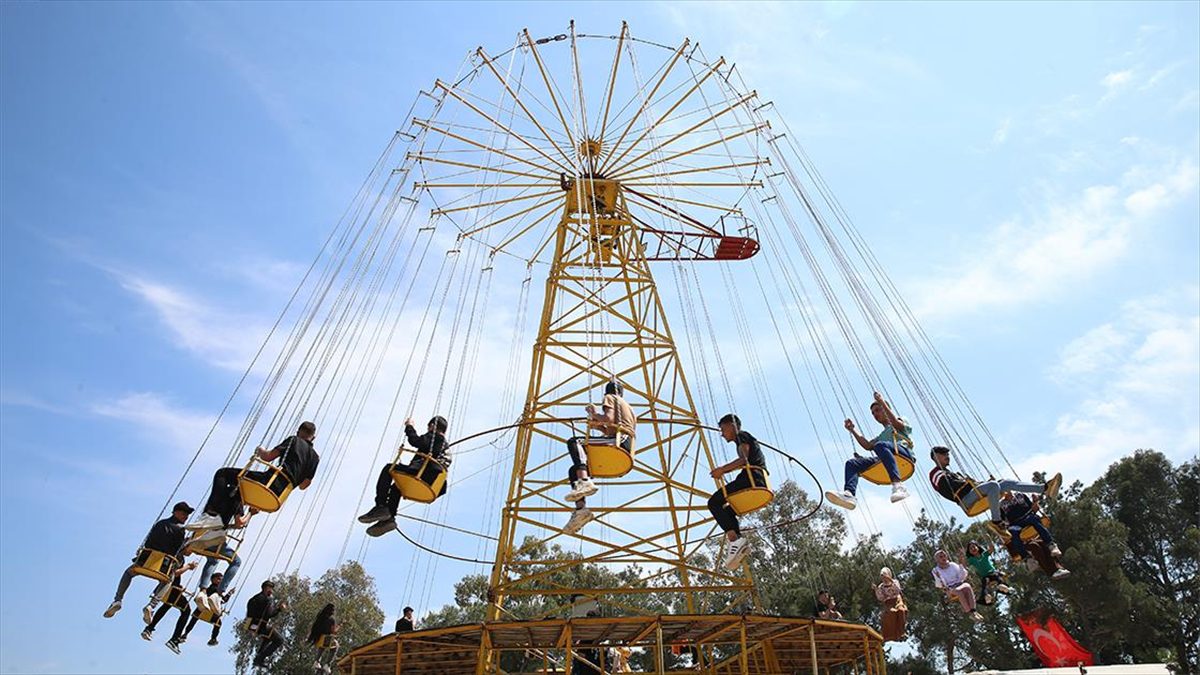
<point>166,536</point>
<point>259,611</point>
<point>432,443</point>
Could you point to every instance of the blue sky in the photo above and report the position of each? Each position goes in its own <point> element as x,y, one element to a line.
<point>169,170</point>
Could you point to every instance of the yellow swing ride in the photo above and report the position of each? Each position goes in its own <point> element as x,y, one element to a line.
<point>594,161</point>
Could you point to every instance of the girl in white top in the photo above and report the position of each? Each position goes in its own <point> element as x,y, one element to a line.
<point>952,578</point>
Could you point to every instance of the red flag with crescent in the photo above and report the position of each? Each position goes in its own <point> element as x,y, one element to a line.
<point>1053,644</point>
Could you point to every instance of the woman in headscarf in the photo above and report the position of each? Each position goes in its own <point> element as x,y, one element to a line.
<point>895,612</point>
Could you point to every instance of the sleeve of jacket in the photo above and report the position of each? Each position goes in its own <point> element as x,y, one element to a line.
<point>414,440</point>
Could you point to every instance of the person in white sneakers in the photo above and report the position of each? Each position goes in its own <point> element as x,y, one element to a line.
<point>750,459</point>
<point>212,599</point>
<point>617,425</point>
<point>895,439</point>
<point>952,579</point>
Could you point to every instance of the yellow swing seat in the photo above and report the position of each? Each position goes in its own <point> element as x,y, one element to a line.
<point>266,496</point>
<point>1028,533</point>
<point>608,460</point>
<point>157,565</point>
<point>978,507</point>
<point>206,615</point>
<point>877,473</point>
<point>414,487</point>
<point>216,550</point>
<point>753,498</point>
<point>325,641</point>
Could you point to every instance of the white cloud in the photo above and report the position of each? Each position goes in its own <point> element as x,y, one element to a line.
<point>1117,80</point>
<point>224,339</point>
<point>1070,240</point>
<point>1001,133</point>
<point>1140,375</point>
<point>156,418</point>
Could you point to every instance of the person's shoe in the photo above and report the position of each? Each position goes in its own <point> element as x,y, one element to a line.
<point>578,519</point>
<point>1004,588</point>
<point>173,645</point>
<point>376,514</point>
<point>1061,573</point>
<point>898,493</point>
<point>148,613</point>
<point>976,617</point>
<point>205,521</point>
<point>988,599</point>
<point>148,634</point>
<point>1031,564</point>
<point>112,609</point>
<point>1052,486</point>
<point>212,642</point>
<point>736,552</point>
<point>382,527</point>
<point>1054,551</point>
<point>844,499</point>
<point>584,487</point>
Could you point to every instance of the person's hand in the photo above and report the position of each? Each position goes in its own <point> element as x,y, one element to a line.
<point>408,422</point>
<point>849,424</point>
<point>717,472</point>
<point>591,409</point>
<point>879,398</point>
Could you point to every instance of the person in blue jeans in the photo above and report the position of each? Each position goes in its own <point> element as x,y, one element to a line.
<point>210,567</point>
<point>896,438</point>
<point>1019,511</point>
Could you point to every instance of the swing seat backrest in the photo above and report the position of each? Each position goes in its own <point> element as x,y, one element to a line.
<point>753,498</point>
<point>606,460</point>
<point>154,564</point>
<point>877,474</point>
<point>417,487</point>
<point>265,495</point>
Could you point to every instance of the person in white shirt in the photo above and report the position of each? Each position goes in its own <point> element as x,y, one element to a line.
<point>952,579</point>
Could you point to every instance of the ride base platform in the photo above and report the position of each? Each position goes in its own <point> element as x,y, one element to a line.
<point>729,644</point>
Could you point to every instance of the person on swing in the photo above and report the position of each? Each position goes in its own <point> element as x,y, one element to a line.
<point>966,491</point>
<point>896,438</point>
<point>433,444</point>
<point>616,424</point>
<point>750,459</point>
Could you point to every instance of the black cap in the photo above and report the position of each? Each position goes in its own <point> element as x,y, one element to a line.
<point>183,506</point>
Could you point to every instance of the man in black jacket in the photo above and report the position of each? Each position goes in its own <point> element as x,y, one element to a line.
<point>405,623</point>
<point>259,611</point>
<point>165,536</point>
<point>387,495</point>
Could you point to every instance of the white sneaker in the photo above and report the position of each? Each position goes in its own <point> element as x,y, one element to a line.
<point>898,493</point>
<point>148,613</point>
<point>736,552</point>
<point>1004,588</point>
<point>205,521</point>
<point>1031,564</point>
<point>1061,573</point>
<point>1054,551</point>
<point>976,617</point>
<point>843,499</point>
<point>578,519</point>
<point>112,609</point>
<point>584,488</point>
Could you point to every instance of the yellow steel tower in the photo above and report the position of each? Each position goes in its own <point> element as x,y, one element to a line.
<point>602,318</point>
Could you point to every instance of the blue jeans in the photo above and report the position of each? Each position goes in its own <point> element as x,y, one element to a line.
<point>883,453</point>
<point>992,489</point>
<point>1032,520</point>
<point>211,566</point>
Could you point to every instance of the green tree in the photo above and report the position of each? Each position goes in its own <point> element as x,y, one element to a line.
<point>1157,504</point>
<point>348,587</point>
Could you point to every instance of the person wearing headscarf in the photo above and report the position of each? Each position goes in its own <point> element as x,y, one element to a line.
<point>895,612</point>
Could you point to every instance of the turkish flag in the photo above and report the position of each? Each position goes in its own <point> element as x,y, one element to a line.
<point>1053,644</point>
